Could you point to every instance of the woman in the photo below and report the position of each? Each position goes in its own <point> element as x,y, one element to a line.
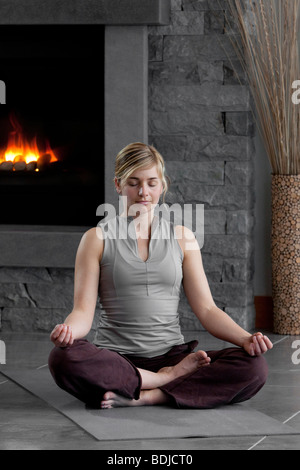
<point>137,263</point>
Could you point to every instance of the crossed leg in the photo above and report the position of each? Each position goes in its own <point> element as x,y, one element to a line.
<point>92,374</point>
<point>151,381</point>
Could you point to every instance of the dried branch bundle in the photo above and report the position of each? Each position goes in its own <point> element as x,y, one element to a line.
<point>269,53</point>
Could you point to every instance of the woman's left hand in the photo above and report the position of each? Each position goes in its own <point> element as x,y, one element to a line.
<point>257,344</point>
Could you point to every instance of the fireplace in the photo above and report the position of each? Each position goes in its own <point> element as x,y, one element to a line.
<point>54,120</point>
<point>87,117</point>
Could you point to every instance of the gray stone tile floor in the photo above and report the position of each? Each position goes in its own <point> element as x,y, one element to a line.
<point>28,423</point>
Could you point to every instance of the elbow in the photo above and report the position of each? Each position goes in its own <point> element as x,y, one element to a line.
<point>204,312</point>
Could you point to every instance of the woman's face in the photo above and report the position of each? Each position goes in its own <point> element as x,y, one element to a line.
<point>143,188</point>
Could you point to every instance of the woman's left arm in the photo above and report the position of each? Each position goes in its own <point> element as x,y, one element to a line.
<point>199,296</point>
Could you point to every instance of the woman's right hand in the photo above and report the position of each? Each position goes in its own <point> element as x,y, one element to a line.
<point>62,335</point>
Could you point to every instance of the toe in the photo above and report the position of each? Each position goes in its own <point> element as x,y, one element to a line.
<point>106,401</point>
<point>108,396</point>
<point>201,355</point>
<point>203,359</point>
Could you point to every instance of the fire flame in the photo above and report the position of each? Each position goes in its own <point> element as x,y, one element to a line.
<point>20,149</point>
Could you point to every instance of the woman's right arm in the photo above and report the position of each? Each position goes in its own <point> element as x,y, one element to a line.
<point>87,271</point>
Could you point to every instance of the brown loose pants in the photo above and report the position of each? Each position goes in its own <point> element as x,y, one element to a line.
<point>87,372</point>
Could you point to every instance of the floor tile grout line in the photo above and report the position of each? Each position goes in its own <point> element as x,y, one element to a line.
<point>279,341</point>
<point>293,416</point>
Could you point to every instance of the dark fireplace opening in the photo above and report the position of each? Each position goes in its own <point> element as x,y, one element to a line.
<point>54,77</point>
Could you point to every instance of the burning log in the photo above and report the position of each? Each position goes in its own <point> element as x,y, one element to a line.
<point>19,163</point>
<point>20,166</point>
<point>31,166</point>
<point>6,166</point>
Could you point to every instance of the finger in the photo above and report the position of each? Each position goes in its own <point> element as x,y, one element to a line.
<point>257,335</point>
<point>64,335</point>
<point>256,346</point>
<point>251,349</point>
<point>60,338</point>
<point>54,332</point>
<point>268,342</point>
<point>67,337</point>
<point>57,331</point>
<point>262,344</point>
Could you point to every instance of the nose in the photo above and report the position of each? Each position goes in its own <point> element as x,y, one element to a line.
<point>143,191</point>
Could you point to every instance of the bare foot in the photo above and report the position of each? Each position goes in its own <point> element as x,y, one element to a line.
<point>187,366</point>
<point>151,394</point>
<point>147,397</point>
<point>112,400</point>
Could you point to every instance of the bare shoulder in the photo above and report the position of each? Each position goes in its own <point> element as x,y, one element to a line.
<point>183,232</point>
<point>186,239</point>
<point>92,242</point>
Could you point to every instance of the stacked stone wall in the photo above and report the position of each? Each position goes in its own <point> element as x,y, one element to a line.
<point>200,119</point>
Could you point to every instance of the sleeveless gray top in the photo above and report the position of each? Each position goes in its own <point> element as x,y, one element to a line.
<point>139,299</point>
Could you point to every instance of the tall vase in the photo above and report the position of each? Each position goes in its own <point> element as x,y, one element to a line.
<point>286,253</point>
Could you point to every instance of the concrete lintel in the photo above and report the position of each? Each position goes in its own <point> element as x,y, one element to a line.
<point>105,12</point>
<point>39,246</point>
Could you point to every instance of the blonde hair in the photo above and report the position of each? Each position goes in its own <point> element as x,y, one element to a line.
<point>138,155</point>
